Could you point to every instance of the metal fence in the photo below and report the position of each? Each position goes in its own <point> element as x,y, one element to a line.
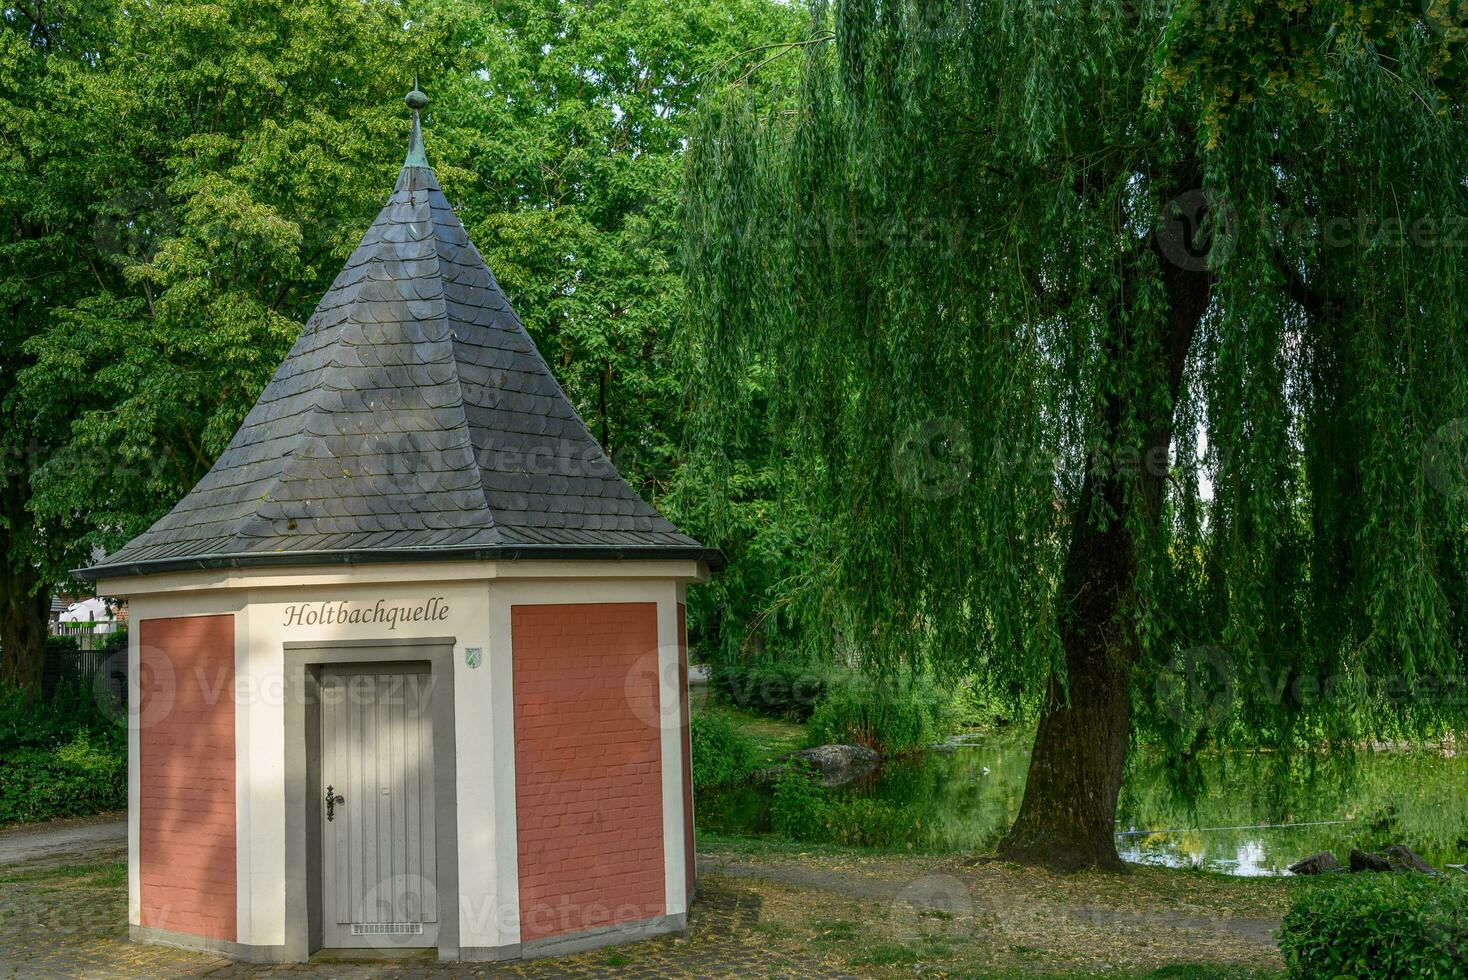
<point>98,663</point>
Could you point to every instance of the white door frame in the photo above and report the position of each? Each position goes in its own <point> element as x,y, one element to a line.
<point>303,663</point>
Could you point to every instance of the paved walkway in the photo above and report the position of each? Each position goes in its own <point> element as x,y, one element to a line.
<point>867,887</point>
<point>63,913</point>
<point>63,839</point>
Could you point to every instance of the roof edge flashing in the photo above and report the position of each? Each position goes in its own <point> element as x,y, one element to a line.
<point>712,557</point>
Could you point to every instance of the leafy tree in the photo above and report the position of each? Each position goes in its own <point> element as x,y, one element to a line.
<point>197,172</point>
<point>163,164</point>
<point>1121,376</point>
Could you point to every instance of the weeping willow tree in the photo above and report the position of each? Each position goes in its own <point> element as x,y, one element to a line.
<point>1118,352</point>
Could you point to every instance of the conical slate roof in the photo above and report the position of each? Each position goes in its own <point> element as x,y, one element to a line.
<point>412,420</point>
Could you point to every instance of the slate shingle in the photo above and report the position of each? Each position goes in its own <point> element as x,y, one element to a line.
<point>412,420</point>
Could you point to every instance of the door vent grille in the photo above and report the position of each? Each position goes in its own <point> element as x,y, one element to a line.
<point>387,928</point>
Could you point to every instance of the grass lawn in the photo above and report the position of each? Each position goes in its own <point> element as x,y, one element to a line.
<point>887,913</point>
<point>772,737</point>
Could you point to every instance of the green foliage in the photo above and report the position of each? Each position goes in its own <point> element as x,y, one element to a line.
<point>721,752</point>
<point>77,778</point>
<point>894,715</point>
<point>1379,925</point>
<point>776,689</point>
<point>867,822</point>
<point>957,249</point>
<point>802,810</point>
<point>72,711</point>
<point>797,810</point>
<point>184,181</point>
<point>1239,51</point>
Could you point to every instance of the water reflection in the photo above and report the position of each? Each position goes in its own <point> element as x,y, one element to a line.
<point>1259,814</point>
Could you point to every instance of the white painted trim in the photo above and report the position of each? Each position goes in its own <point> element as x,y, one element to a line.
<point>244,853</point>
<point>670,718</point>
<point>134,772</point>
<point>402,572</point>
<point>499,659</point>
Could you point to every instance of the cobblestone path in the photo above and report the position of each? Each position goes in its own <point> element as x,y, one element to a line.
<point>70,920</point>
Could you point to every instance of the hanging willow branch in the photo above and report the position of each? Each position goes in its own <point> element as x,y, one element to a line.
<point>956,270</point>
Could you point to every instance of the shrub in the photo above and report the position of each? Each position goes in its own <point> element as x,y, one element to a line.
<point>803,810</point>
<point>893,715</point>
<point>797,810</point>
<point>73,709</point>
<point>865,822</point>
<point>720,752</point>
<point>769,688</point>
<point>1381,925</point>
<point>78,778</point>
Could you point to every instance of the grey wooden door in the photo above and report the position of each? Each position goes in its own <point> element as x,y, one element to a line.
<point>378,848</point>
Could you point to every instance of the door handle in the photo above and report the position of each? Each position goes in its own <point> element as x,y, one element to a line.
<point>332,799</point>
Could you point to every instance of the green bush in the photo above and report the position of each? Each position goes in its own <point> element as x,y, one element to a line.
<point>864,822</point>
<point>769,688</point>
<point>78,778</point>
<point>1380,925</point>
<point>721,753</point>
<point>797,810</point>
<point>893,715</point>
<point>803,810</point>
<point>73,709</point>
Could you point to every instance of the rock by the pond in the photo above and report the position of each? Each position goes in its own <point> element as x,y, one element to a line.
<point>1367,861</point>
<point>1316,864</point>
<point>1403,858</point>
<point>836,764</point>
<point>1397,857</point>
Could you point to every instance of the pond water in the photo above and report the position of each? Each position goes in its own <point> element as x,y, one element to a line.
<point>1257,816</point>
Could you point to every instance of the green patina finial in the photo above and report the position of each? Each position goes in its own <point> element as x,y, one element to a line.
<point>416,100</point>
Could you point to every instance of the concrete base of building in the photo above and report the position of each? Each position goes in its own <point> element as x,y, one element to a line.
<point>579,942</point>
<point>565,945</point>
<point>243,952</point>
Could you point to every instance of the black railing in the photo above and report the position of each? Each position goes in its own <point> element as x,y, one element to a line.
<point>98,661</point>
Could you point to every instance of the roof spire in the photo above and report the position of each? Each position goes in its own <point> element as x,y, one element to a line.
<point>416,100</point>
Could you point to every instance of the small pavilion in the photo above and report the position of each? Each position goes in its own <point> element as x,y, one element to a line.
<point>408,667</point>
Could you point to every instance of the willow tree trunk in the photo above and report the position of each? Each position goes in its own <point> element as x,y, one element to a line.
<point>24,603</point>
<point>1068,815</point>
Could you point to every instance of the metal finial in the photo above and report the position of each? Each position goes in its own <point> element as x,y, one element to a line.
<point>416,100</point>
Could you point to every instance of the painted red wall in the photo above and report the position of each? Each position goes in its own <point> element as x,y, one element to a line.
<point>688,855</point>
<point>186,802</point>
<point>588,758</point>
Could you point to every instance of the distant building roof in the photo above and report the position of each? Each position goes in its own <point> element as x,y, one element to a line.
<point>412,420</point>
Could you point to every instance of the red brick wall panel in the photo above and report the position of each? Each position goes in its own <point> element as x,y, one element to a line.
<point>186,763</point>
<point>689,860</point>
<point>588,763</point>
